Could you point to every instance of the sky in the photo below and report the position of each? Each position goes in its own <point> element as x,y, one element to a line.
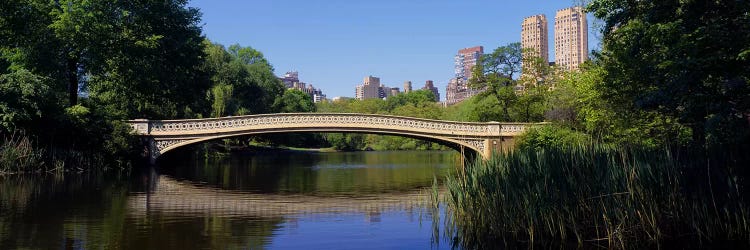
<point>334,44</point>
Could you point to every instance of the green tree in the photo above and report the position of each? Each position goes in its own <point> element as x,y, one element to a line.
<point>137,58</point>
<point>415,98</point>
<point>248,75</point>
<point>21,100</point>
<point>687,61</point>
<point>494,74</point>
<point>221,94</point>
<point>132,60</point>
<point>530,104</point>
<point>294,101</point>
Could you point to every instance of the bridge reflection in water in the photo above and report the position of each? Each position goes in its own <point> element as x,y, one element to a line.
<point>168,195</point>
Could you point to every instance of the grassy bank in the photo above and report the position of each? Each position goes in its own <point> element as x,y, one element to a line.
<point>599,196</point>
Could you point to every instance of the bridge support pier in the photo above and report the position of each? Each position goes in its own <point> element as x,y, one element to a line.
<point>494,146</point>
<point>150,152</point>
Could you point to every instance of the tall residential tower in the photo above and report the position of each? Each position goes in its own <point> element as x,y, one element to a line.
<point>534,36</point>
<point>465,61</point>
<point>571,38</point>
<point>458,89</point>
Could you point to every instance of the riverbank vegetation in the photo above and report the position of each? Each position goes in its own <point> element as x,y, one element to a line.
<point>71,72</point>
<point>648,143</point>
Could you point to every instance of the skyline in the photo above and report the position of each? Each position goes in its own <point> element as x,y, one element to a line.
<point>334,45</point>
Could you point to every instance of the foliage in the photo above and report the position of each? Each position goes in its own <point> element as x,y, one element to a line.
<point>242,81</point>
<point>529,107</point>
<point>494,75</point>
<point>517,100</point>
<point>20,95</point>
<point>71,71</point>
<point>346,142</point>
<point>578,102</point>
<point>419,103</point>
<point>294,101</point>
<point>549,136</point>
<point>686,61</point>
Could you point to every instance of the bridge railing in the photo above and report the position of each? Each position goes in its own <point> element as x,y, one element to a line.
<point>326,120</point>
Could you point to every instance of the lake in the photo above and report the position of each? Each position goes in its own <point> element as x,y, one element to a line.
<point>268,200</point>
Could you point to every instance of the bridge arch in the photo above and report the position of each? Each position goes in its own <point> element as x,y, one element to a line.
<point>482,138</point>
<point>470,151</point>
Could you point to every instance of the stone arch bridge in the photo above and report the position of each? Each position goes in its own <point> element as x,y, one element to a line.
<point>467,137</point>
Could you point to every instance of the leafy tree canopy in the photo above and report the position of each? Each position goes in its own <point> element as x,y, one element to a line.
<point>685,60</point>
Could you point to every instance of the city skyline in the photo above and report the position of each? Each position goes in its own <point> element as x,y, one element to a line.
<point>335,43</point>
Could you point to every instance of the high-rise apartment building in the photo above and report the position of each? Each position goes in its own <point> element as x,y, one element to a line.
<point>534,36</point>
<point>465,61</point>
<point>458,89</point>
<point>290,78</point>
<point>407,86</point>
<point>571,38</point>
<point>428,85</point>
<point>370,88</point>
<point>291,81</point>
<point>395,91</point>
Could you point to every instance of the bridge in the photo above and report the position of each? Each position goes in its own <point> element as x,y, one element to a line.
<point>466,137</point>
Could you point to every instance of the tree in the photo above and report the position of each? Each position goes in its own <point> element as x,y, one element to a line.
<point>20,95</point>
<point>242,80</point>
<point>494,73</point>
<point>416,98</point>
<point>131,59</point>
<point>685,60</point>
<point>137,58</point>
<point>294,101</point>
<point>530,104</point>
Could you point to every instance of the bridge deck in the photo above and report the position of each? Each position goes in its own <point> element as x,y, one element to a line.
<point>480,137</point>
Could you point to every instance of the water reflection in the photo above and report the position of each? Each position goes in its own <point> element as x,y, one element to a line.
<point>186,198</point>
<point>316,173</point>
<point>338,201</point>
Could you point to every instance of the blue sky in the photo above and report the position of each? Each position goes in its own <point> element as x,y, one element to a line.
<point>334,44</point>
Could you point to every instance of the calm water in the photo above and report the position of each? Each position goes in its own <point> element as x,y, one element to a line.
<point>360,200</point>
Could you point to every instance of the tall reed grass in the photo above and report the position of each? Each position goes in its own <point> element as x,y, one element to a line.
<point>17,154</point>
<point>599,196</point>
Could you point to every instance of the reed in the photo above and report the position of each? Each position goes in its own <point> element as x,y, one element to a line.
<point>17,154</point>
<point>596,195</point>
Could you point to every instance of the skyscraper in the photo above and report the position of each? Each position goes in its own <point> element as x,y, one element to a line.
<point>465,61</point>
<point>534,36</point>
<point>458,89</point>
<point>571,38</point>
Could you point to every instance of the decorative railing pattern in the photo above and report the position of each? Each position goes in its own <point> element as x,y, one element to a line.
<point>325,120</point>
<point>168,134</point>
